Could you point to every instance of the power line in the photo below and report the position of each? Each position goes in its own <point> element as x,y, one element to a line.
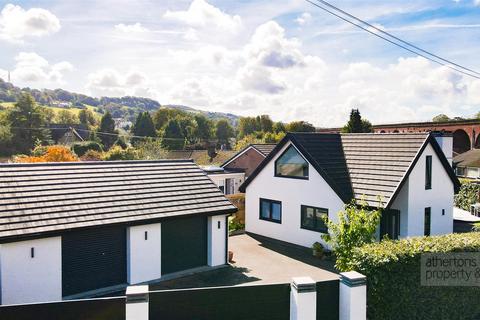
<point>426,55</point>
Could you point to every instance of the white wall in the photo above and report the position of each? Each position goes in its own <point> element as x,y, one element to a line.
<point>144,256</point>
<point>25,279</point>
<point>219,179</point>
<point>216,240</point>
<point>401,204</point>
<point>292,193</point>
<point>438,198</point>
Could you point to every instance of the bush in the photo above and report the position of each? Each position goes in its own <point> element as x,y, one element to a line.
<point>92,155</point>
<point>393,279</point>
<point>48,154</point>
<point>467,195</point>
<point>117,153</point>
<point>82,147</point>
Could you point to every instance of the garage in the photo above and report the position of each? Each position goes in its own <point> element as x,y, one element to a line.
<point>184,244</point>
<point>93,259</point>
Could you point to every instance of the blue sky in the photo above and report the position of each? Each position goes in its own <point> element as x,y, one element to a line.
<point>285,58</point>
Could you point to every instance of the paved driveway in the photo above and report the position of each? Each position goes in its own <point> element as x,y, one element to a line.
<point>257,260</point>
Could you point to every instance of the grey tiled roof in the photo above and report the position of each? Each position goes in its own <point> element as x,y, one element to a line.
<point>470,158</point>
<point>37,198</point>
<point>264,148</point>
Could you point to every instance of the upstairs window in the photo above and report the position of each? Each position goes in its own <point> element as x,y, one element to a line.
<point>428,173</point>
<point>291,164</point>
<point>312,218</point>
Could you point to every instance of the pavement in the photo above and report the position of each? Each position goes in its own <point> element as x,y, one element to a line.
<point>257,260</point>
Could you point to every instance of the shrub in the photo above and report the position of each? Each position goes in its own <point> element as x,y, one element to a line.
<point>117,153</point>
<point>467,195</point>
<point>51,154</point>
<point>393,279</point>
<point>92,155</point>
<point>82,147</point>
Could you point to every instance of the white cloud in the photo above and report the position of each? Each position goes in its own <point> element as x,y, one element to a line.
<point>201,14</point>
<point>476,2</point>
<point>17,23</point>
<point>304,18</point>
<point>31,67</point>
<point>111,82</point>
<point>136,27</point>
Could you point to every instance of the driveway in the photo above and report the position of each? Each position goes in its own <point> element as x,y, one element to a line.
<point>257,260</point>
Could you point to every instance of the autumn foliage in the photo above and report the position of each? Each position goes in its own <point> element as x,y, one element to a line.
<point>51,154</point>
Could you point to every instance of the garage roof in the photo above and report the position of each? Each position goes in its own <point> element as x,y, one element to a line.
<point>470,158</point>
<point>362,166</point>
<point>50,197</point>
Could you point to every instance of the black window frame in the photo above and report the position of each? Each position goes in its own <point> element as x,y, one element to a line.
<point>291,177</point>
<point>427,223</point>
<point>303,211</point>
<point>428,172</point>
<point>271,202</point>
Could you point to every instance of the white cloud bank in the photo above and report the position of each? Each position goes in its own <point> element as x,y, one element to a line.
<point>135,27</point>
<point>30,68</point>
<point>17,23</point>
<point>111,82</point>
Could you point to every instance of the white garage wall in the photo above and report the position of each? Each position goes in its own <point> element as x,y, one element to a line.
<point>144,256</point>
<point>292,193</point>
<point>216,240</point>
<point>438,198</point>
<point>219,179</point>
<point>25,279</point>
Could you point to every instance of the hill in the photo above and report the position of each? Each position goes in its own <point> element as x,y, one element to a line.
<point>126,107</point>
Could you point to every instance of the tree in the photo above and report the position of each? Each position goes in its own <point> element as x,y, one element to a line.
<point>143,127</point>
<point>203,128</point>
<point>87,118</point>
<point>27,123</point>
<point>223,132</point>
<point>441,118</point>
<point>66,117</point>
<point>247,125</point>
<point>106,131</point>
<point>279,127</point>
<point>49,154</point>
<point>467,195</point>
<point>300,126</point>
<point>356,124</point>
<point>172,138</point>
<point>355,228</point>
<point>266,124</point>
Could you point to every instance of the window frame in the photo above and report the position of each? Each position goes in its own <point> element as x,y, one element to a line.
<point>271,202</point>
<point>303,210</point>
<point>428,172</point>
<point>277,175</point>
<point>427,212</point>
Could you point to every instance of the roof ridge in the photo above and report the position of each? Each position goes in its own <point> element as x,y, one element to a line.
<point>108,162</point>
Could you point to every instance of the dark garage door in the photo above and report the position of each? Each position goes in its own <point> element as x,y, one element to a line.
<point>93,259</point>
<point>184,244</point>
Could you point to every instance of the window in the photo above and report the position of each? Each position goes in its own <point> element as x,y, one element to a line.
<point>291,164</point>
<point>472,172</point>
<point>312,219</point>
<point>271,210</point>
<point>428,218</point>
<point>460,171</point>
<point>428,173</point>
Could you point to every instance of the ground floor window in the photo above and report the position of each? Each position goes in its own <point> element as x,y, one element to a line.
<point>390,224</point>
<point>312,218</point>
<point>271,210</point>
<point>428,218</point>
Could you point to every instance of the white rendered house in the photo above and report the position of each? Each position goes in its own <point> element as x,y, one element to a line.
<point>313,174</point>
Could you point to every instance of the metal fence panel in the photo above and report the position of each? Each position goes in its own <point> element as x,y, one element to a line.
<point>91,309</point>
<point>328,293</point>
<point>262,302</point>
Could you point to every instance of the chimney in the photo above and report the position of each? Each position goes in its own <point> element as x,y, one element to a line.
<point>445,141</point>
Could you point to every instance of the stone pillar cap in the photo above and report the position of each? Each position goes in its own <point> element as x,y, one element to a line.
<point>353,278</point>
<point>304,284</point>
<point>134,290</point>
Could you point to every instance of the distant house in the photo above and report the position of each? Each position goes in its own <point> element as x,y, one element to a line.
<point>228,181</point>
<point>76,229</point>
<point>66,134</point>
<point>249,158</point>
<point>309,175</point>
<point>467,164</point>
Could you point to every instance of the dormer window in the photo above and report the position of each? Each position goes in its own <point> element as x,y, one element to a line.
<point>291,164</point>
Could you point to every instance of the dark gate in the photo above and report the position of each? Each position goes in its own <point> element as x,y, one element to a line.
<point>93,259</point>
<point>184,244</point>
<point>328,293</point>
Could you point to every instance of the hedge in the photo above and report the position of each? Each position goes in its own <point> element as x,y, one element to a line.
<point>82,147</point>
<point>393,280</point>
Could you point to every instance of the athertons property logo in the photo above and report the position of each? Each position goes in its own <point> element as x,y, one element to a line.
<point>450,269</point>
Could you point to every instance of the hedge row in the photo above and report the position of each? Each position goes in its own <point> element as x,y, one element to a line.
<point>81,148</point>
<point>393,280</point>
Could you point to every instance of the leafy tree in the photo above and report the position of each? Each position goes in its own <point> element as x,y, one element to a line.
<point>467,195</point>
<point>172,138</point>
<point>248,125</point>
<point>150,149</point>
<point>49,115</point>
<point>356,227</point>
<point>87,118</point>
<point>223,132</point>
<point>300,126</point>
<point>50,154</point>
<point>66,117</point>
<point>203,128</point>
<point>117,153</point>
<point>356,124</point>
<point>279,127</point>
<point>247,140</point>
<point>6,136</point>
<point>266,124</point>
<point>270,137</point>
<point>441,118</point>
<point>143,127</point>
<point>27,121</point>
<point>106,131</point>
<point>187,127</point>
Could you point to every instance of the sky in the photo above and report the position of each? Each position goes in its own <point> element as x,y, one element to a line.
<point>285,58</point>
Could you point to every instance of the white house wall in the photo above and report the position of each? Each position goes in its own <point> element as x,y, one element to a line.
<point>292,193</point>
<point>217,232</point>
<point>439,197</point>
<point>219,179</point>
<point>144,256</point>
<point>25,279</point>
